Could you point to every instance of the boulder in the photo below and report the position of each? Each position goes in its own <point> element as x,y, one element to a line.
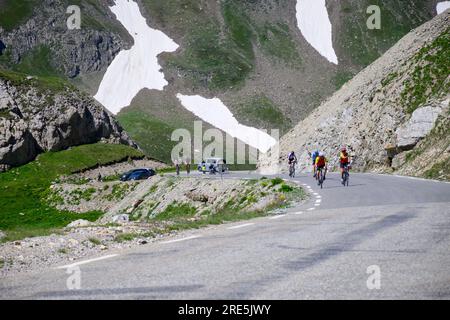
<point>2,235</point>
<point>420,124</point>
<point>121,218</point>
<point>79,224</point>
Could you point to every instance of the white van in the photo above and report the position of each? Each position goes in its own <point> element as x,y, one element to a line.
<point>216,163</point>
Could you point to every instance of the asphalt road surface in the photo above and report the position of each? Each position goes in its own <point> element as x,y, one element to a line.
<point>383,237</point>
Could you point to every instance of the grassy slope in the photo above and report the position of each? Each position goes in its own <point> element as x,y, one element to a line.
<point>152,134</point>
<point>219,51</point>
<point>23,212</point>
<point>37,63</point>
<point>363,46</point>
<point>261,112</point>
<point>426,79</point>
<point>43,83</point>
<point>216,56</point>
<point>430,76</point>
<point>15,12</point>
<point>357,46</point>
<point>278,43</point>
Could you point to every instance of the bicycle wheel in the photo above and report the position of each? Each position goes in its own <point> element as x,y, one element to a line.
<point>347,178</point>
<point>320,174</point>
<point>344,179</point>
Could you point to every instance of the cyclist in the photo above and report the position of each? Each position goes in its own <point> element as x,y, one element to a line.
<point>292,157</point>
<point>314,156</point>
<point>344,161</point>
<point>292,160</point>
<point>321,164</point>
<point>203,167</point>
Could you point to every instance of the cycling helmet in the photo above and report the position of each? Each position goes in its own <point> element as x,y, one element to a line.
<point>344,149</point>
<point>321,154</point>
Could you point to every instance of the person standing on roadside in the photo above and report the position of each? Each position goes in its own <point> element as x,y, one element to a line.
<point>188,166</point>
<point>177,167</point>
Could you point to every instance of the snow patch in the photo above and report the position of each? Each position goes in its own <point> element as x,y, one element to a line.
<point>137,68</point>
<point>216,113</point>
<point>314,23</point>
<point>442,6</point>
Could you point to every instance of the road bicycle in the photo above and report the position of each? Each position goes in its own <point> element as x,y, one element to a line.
<point>320,176</point>
<point>292,169</point>
<point>346,175</point>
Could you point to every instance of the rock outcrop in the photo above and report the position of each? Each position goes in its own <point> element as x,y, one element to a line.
<point>417,127</point>
<point>386,112</point>
<point>35,118</point>
<point>73,51</point>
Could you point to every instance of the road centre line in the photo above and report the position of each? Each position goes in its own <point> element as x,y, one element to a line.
<point>277,217</point>
<point>182,239</point>
<point>241,226</point>
<point>87,261</point>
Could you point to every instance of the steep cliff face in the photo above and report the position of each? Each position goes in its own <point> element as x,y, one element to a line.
<point>393,116</point>
<point>38,115</point>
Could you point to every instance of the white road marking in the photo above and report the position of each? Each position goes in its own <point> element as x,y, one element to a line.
<point>182,239</point>
<point>298,213</point>
<point>405,177</point>
<point>277,217</point>
<point>87,261</point>
<point>311,209</point>
<point>240,226</point>
<point>317,204</point>
<point>418,179</point>
<point>318,200</point>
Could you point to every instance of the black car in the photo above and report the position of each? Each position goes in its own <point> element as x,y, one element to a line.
<point>137,174</point>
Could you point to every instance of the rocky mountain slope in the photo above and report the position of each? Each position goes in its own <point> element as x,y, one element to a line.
<point>393,116</point>
<point>29,28</point>
<point>250,54</point>
<point>46,114</point>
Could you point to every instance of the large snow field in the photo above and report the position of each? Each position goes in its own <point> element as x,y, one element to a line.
<point>137,68</point>
<point>314,24</point>
<point>442,6</point>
